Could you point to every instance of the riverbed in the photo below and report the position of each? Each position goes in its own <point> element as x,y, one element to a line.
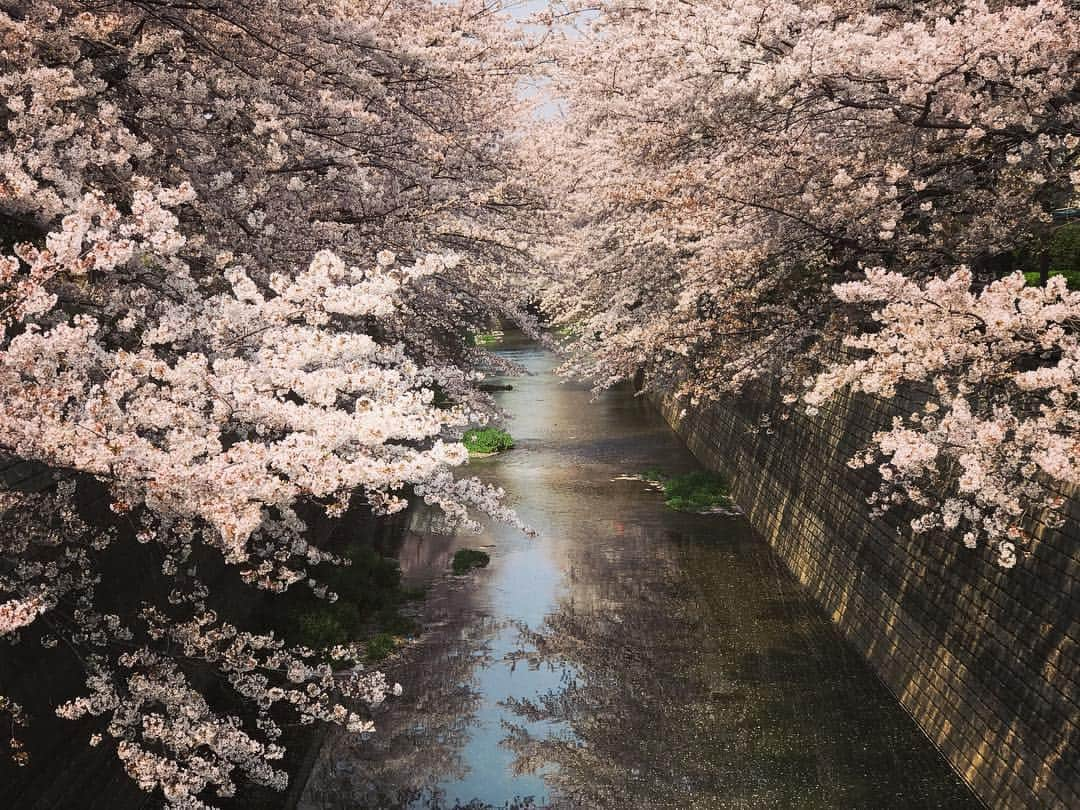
<point>629,656</point>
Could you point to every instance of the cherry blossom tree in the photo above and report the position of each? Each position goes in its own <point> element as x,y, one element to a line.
<point>243,247</point>
<point>364,127</point>
<point>722,164</point>
<point>726,172</point>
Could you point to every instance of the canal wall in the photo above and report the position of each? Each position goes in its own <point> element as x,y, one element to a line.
<point>987,661</point>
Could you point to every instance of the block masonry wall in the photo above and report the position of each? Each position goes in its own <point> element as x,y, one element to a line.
<point>987,661</point>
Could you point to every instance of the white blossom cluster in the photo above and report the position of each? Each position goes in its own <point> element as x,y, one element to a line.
<point>988,456</point>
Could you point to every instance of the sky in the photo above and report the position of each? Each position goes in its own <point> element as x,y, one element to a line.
<point>549,107</point>
<point>523,8</point>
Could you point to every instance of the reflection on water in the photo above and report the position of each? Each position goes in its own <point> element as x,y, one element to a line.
<point>628,657</point>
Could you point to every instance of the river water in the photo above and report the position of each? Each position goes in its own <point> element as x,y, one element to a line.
<point>628,657</point>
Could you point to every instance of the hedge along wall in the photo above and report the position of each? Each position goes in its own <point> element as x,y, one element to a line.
<point>986,660</point>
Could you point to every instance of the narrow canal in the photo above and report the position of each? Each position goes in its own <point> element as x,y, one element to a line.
<point>630,656</point>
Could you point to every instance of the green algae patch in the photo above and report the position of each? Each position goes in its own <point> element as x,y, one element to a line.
<point>698,491</point>
<point>466,559</point>
<point>487,441</point>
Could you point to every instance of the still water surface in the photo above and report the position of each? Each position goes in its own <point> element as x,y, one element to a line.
<point>628,657</point>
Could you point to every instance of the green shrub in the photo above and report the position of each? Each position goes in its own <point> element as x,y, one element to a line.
<point>487,440</point>
<point>697,491</point>
<point>1065,250</point>
<point>370,596</point>
<point>1072,278</point>
<point>380,646</point>
<point>465,559</point>
<point>389,620</point>
<point>320,629</point>
<point>1063,246</point>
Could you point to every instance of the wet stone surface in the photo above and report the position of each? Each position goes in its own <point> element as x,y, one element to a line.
<point>628,657</point>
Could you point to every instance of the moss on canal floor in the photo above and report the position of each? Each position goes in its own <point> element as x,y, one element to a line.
<point>698,491</point>
<point>466,559</point>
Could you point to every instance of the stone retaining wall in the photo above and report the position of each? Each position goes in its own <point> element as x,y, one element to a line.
<point>986,660</point>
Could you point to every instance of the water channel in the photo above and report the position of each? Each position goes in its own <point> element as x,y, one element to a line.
<point>630,656</point>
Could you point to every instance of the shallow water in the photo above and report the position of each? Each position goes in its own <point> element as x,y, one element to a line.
<point>629,656</point>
